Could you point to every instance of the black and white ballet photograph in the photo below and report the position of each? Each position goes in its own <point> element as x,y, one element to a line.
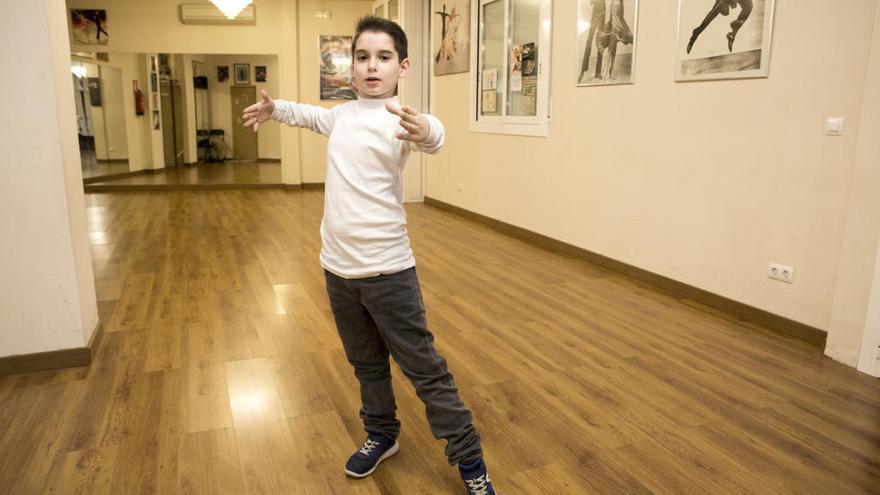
<point>724,39</point>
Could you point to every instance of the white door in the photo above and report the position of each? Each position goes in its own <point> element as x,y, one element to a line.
<point>413,90</point>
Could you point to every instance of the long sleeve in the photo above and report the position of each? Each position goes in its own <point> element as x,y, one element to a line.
<point>436,136</point>
<point>318,119</point>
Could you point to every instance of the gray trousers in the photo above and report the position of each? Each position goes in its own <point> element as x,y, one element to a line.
<point>384,315</point>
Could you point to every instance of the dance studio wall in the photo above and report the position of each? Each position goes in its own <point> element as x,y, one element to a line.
<point>701,182</point>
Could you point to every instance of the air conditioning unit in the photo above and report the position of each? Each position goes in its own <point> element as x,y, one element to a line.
<point>207,13</point>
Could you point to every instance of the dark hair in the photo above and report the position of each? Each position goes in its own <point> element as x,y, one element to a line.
<point>380,25</point>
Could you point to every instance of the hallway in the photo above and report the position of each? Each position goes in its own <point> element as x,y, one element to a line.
<point>220,371</point>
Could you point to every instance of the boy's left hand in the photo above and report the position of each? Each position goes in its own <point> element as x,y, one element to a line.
<point>414,123</point>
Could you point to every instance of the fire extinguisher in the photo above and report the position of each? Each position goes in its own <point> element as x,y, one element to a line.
<point>138,99</point>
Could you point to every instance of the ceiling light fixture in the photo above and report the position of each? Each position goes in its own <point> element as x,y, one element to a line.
<point>231,8</point>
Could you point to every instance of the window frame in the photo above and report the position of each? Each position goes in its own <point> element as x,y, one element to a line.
<point>537,125</point>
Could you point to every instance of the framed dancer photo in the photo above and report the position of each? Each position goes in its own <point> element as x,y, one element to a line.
<point>606,41</point>
<point>450,36</point>
<point>723,39</point>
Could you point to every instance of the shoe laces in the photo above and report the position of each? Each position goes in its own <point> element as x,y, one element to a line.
<point>368,447</point>
<point>478,485</point>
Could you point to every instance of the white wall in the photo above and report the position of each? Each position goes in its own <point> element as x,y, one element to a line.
<point>47,299</point>
<point>851,317</point>
<point>704,182</point>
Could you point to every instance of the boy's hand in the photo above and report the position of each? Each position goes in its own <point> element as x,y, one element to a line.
<point>414,123</point>
<point>259,112</point>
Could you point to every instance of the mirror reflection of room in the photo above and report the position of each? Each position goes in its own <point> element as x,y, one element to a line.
<point>181,116</point>
<point>98,98</point>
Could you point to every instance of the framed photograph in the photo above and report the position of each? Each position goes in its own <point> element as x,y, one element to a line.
<point>606,41</point>
<point>103,57</point>
<point>94,91</point>
<point>335,53</point>
<point>450,36</point>
<point>242,73</point>
<point>156,125</point>
<point>154,82</point>
<point>723,39</point>
<point>222,73</point>
<point>154,64</point>
<point>89,27</point>
<point>260,73</point>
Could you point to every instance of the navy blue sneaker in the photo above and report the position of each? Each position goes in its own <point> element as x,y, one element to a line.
<point>476,478</point>
<point>376,449</point>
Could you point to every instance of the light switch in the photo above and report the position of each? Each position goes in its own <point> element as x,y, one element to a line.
<point>834,126</point>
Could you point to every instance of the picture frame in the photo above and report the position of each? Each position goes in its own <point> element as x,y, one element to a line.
<point>450,36</point>
<point>730,41</point>
<point>242,73</point>
<point>222,73</point>
<point>607,39</point>
<point>89,26</point>
<point>335,72</point>
<point>260,73</point>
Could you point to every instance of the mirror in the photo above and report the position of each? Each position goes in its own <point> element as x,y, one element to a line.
<point>100,119</point>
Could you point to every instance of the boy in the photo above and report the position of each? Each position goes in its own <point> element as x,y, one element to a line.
<point>368,264</point>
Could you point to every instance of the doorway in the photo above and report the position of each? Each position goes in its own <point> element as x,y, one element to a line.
<point>244,140</point>
<point>172,121</point>
<point>413,90</point>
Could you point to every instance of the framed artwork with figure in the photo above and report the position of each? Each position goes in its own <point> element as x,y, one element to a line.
<point>606,41</point>
<point>450,36</point>
<point>723,39</point>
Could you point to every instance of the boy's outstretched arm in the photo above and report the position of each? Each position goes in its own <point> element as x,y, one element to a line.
<point>424,131</point>
<point>318,119</point>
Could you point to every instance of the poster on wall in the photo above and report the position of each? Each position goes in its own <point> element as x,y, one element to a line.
<point>723,39</point>
<point>222,73</point>
<point>450,36</point>
<point>335,53</point>
<point>260,73</point>
<point>606,41</point>
<point>89,26</point>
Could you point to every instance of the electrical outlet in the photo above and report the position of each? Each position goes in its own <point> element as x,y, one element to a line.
<point>780,272</point>
<point>459,186</point>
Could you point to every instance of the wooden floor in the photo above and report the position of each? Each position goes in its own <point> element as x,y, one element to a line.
<point>228,172</point>
<point>220,372</point>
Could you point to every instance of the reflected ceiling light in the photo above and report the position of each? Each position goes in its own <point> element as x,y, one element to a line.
<point>78,70</point>
<point>231,8</point>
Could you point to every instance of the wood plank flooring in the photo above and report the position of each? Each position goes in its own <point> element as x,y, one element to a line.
<point>261,172</point>
<point>221,372</point>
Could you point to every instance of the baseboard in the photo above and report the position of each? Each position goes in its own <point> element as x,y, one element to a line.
<point>102,188</point>
<point>113,160</point>
<point>121,175</point>
<point>51,360</point>
<point>675,288</point>
<point>313,185</point>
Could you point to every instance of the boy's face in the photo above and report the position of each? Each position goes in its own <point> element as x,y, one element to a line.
<point>376,68</point>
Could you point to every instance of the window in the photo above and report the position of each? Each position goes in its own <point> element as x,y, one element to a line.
<point>510,86</point>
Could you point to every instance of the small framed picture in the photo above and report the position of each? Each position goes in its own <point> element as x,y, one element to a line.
<point>260,73</point>
<point>242,73</point>
<point>222,73</point>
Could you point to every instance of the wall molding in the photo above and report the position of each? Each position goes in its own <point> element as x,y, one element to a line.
<point>51,360</point>
<point>679,290</point>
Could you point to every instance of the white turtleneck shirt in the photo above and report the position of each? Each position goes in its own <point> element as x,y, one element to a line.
<point>363,232</point>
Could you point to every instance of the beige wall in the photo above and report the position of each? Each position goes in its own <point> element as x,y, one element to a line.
<point>345,15</point>
<point>137,26</point>
<point>702,182</point>
<point>853,314</point>
<point>47,298</point>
